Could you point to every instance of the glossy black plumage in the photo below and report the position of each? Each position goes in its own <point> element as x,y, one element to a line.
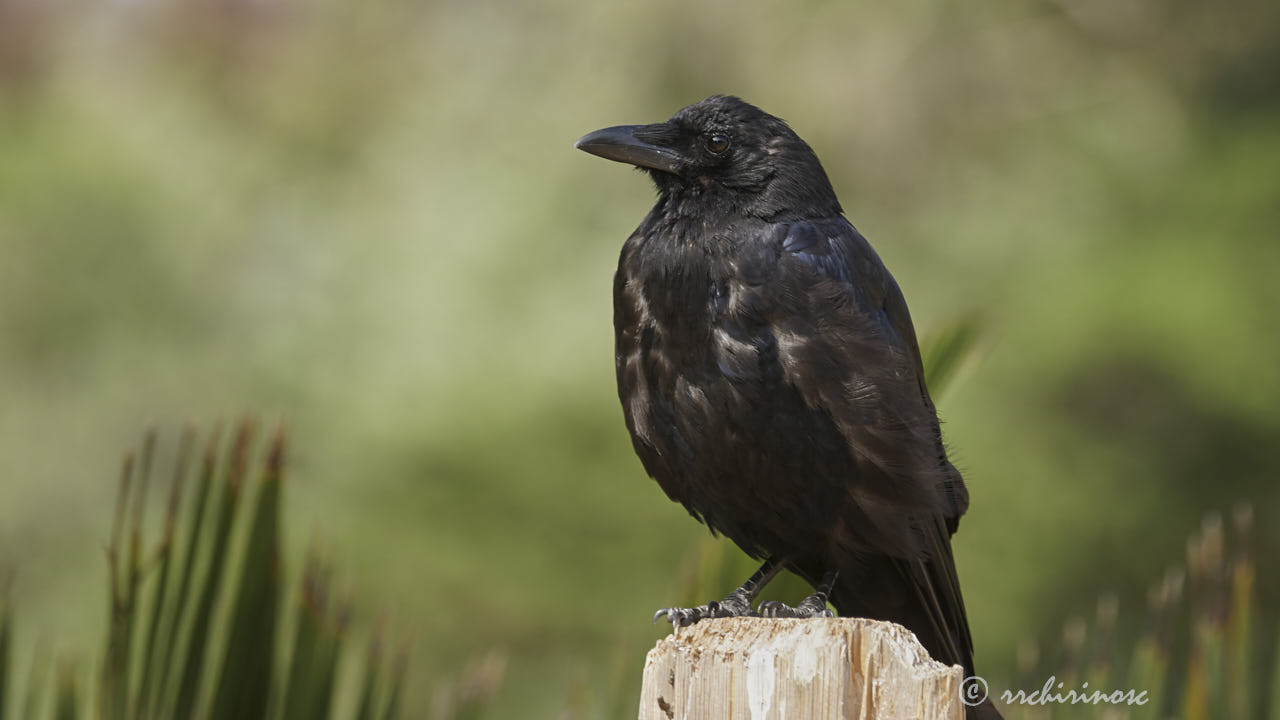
<point>769,372</point>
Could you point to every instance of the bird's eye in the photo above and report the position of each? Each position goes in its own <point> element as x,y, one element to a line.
<point>717,143</point>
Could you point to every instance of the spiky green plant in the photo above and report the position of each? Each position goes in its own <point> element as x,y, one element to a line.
<point>194,628</point>
<point>1198,656</point>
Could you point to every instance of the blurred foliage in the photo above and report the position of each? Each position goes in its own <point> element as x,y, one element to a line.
<point>207,645</point>
<point>1202,647</point>
<point>368,218</point>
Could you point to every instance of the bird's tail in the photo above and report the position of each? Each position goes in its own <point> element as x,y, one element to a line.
<point>922,594</point>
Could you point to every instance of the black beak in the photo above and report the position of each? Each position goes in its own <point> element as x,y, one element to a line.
<point>627,144</point>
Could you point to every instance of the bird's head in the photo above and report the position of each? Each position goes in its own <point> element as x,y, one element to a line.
<point>724,153</point>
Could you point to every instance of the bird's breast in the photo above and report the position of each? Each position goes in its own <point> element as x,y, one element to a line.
<point>696,371</point>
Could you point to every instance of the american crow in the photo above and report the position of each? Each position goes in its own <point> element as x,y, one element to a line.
<point>771,380</point>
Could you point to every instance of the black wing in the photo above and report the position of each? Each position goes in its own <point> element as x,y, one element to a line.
<point>863,367</point>
<point>850,348</point>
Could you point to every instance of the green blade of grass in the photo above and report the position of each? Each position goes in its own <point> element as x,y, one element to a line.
<point>1213,621</point>
<point>177,611</point>
<point>6,646</point>
<point>1146,671</point>
<point>481,679</point>
<point>1211,665</point>
<point>327,654</point>
<point>367,704</point>
<point>1075,633</point>
<point>67,706</point>
<point>1240,620</point>
<point>209,587</point>
<point>129,617</point>
<point>1275,686</point>
<point>396,690</point>
<point>312,607</point>
<point>946,351</point>
<point>1101,663</point>
<point>244,686</point>
<point>1150,667</point>
<point>159,597</point>
<point>113,658</point>
<point>33,702</point>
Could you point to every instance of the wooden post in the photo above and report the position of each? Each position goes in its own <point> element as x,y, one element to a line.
<point>761,669</point>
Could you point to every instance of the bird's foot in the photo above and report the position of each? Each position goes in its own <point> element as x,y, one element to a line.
<point>736,604</point>
<point>811,607</point>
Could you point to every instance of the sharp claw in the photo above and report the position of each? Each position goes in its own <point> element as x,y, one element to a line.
<point>684,617</point>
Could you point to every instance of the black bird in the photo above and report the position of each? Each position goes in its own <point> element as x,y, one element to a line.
<point>771,379</point>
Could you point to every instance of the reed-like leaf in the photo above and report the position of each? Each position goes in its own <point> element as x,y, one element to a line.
<point>366,706</point>
<point>312,606</point>
<point>1150,666</point>
<point>396,690</point>
<point>945,351</point>
<point>481,679</point>
<point>159,601</point>
<point>33,702</point>
<point>244,686</point>
<point>177,607</point>
<point>1240,619</point>
<point>1275,686</point>
<point>112,691</point>
<point>6,647</point>
<point>122,675</point>
<point>1212,613</point>
<point>1075,634</point>
<point>1205,684</point>
<point>326,664</point>
<point>210,586</point>
<point>67,706</point>
<point>1102,653</point>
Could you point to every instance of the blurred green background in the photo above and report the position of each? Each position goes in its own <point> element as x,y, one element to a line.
<point>367,219</point>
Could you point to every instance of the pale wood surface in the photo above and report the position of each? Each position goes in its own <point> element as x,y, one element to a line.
<point>762,669</point>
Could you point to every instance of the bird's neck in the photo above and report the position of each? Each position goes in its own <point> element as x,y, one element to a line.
<point>712,205</point>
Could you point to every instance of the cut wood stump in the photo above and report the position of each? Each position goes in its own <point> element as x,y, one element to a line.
<point>761,669</point>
